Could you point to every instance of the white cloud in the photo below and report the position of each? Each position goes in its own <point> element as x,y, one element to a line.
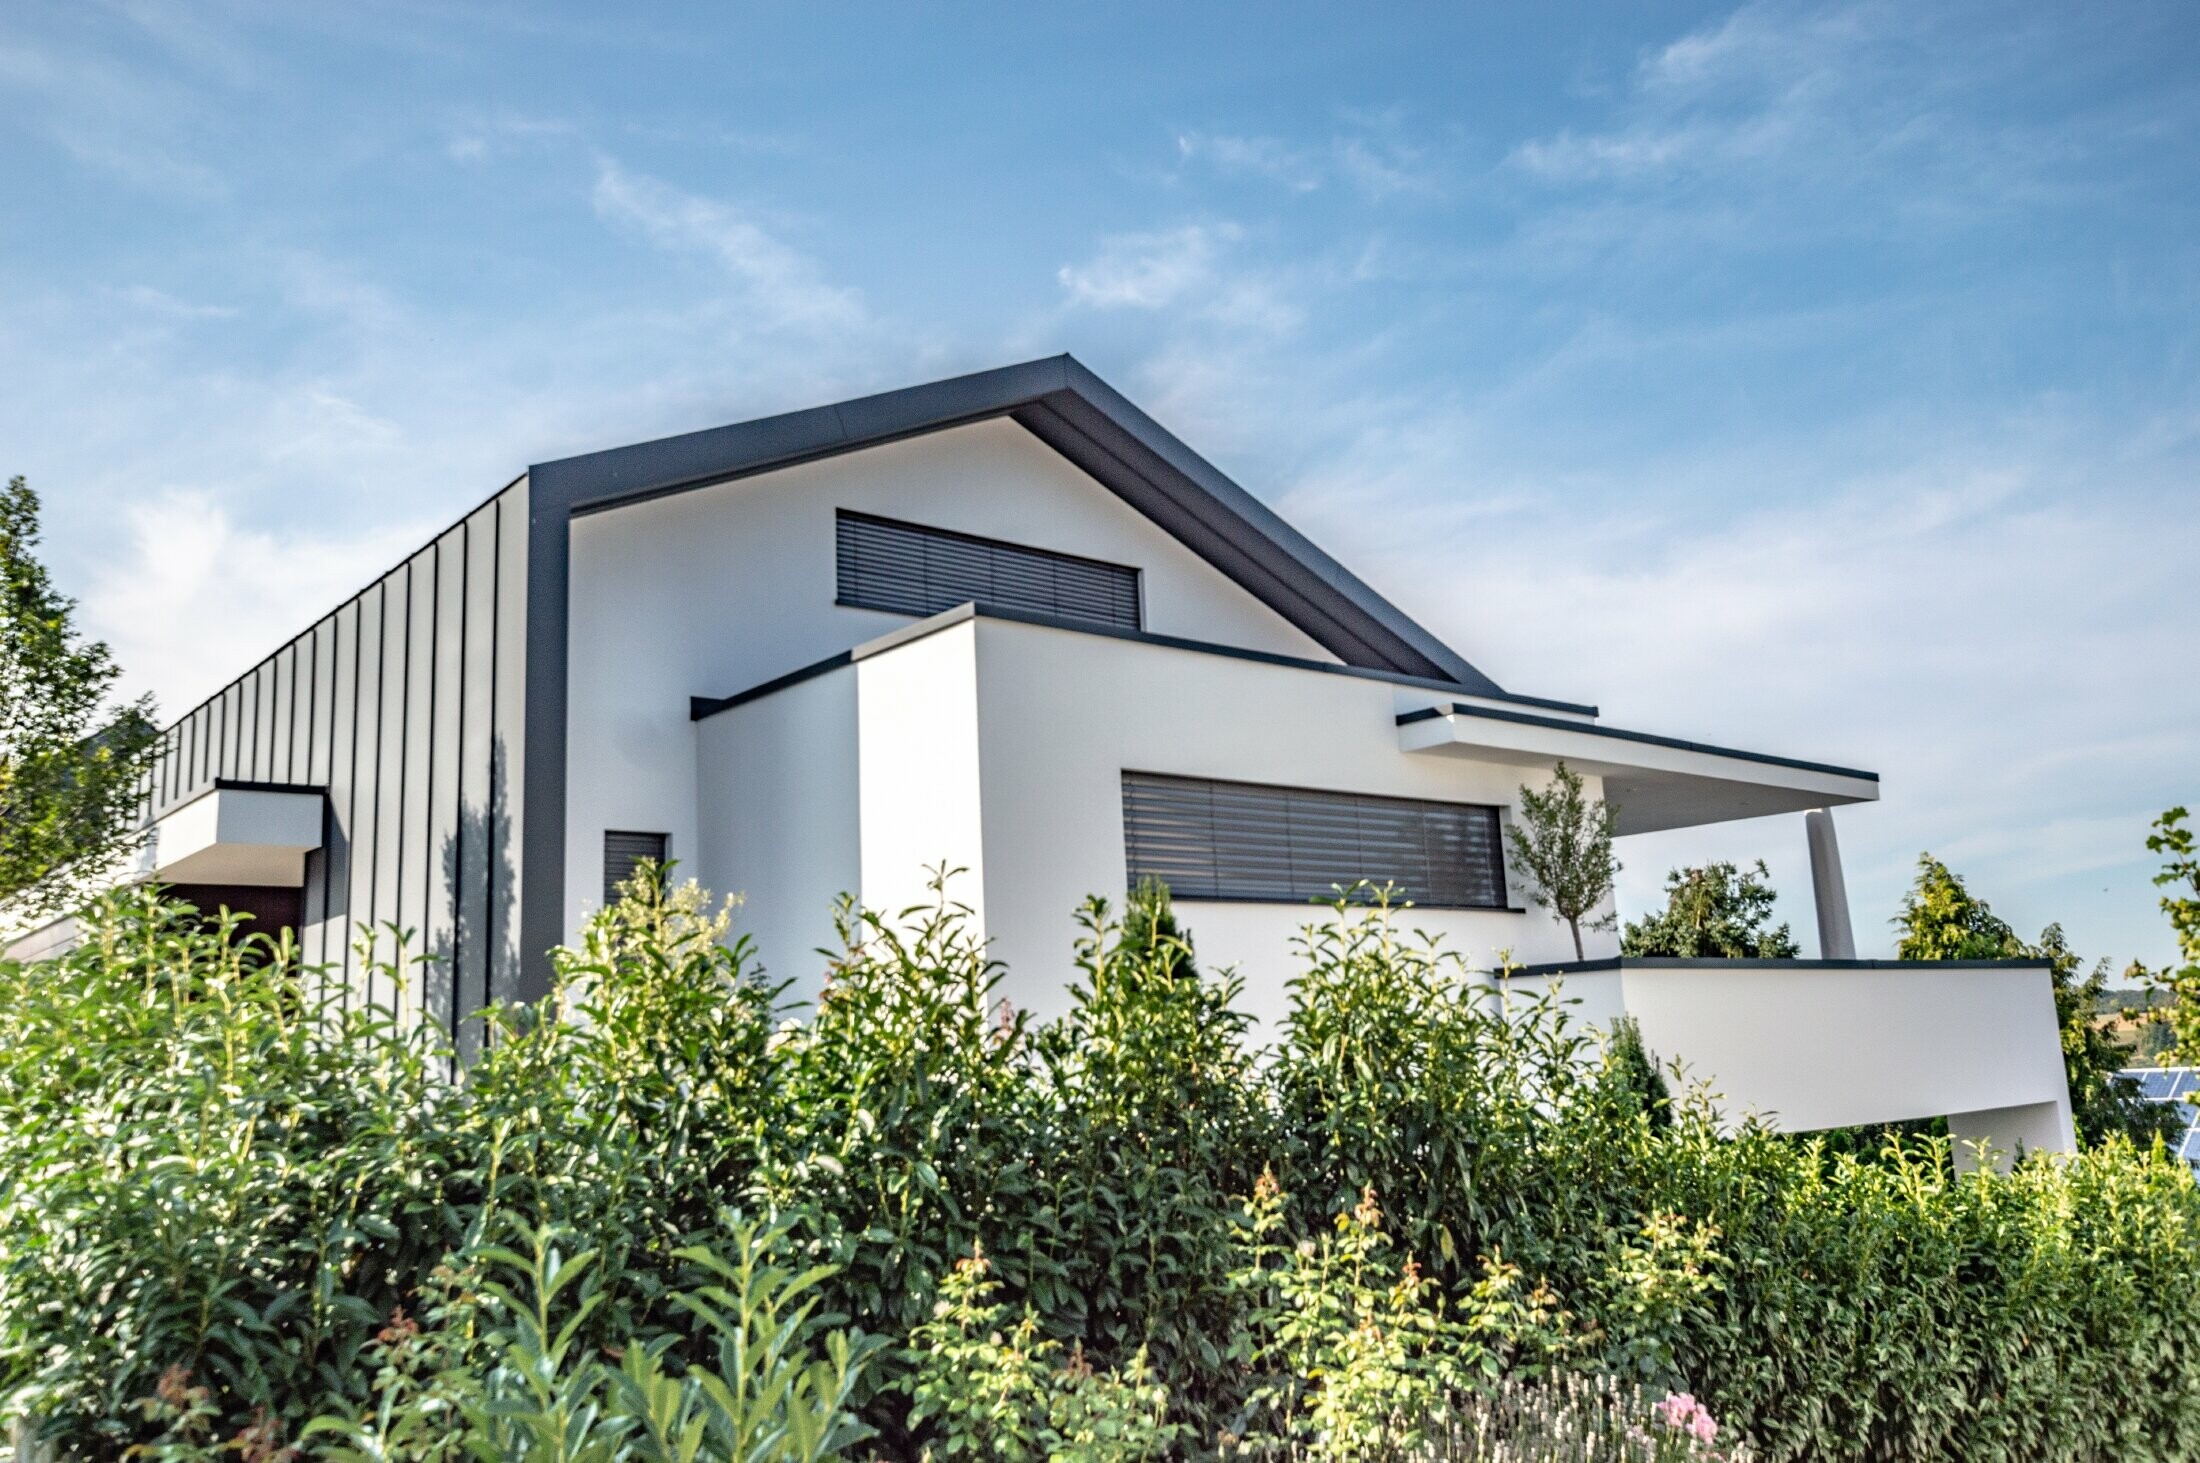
<point>192,599</point>
<point>1266,157</point>
<point>780,286</point>
<point>160,302</point>
<point>1148,271</point>
<point>1371,159</point>
<point>1978,626</point>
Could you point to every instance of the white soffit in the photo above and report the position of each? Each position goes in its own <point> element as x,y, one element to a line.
<point>1653,783</point>
<point>238,835</point>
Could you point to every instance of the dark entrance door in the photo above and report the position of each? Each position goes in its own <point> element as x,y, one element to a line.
<point>273,910</point>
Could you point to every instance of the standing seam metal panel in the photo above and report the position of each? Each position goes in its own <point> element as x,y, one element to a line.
<point>405,703</point>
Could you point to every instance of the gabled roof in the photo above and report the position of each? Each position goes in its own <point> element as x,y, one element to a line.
<point>1093,425</point>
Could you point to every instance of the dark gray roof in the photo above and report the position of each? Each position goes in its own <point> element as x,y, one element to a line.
<point>1089,422</point>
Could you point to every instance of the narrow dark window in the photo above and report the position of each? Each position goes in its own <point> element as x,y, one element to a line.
<point>909,569</point>
<point>1250,843</point>
<point>622,853</point>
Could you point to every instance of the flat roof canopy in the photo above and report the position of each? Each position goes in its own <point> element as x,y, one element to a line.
<point>1653,783</point>
<point>238,833</point>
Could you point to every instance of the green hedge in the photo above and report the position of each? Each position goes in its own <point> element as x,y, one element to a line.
<point>229,1204</point>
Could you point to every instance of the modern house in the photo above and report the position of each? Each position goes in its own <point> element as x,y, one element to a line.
<point>1008,625</point>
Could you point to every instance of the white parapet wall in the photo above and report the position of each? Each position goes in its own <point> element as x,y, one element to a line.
<point>1813,1044</point>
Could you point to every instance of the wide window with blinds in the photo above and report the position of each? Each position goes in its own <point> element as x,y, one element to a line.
<point>1253,843</point>
<point>623,853</point>
<point>909,569</point>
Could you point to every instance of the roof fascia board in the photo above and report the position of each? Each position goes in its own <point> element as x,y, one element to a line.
<point>1302,558</point>
<point>1649,739</point>
<point>1714,962</point>
<point>620,476</point>
<point>701,707</point>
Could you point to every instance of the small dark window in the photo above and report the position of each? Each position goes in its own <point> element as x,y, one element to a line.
<point>1251,843</point>
<point>623,853</point>
<point>906,568</point>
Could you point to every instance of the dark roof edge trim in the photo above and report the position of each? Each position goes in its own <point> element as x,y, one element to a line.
<point>621,476</point>
<point>238,784</point>
<point>700,707</point>
<point>1664,962</point>
<point>1679,744</point>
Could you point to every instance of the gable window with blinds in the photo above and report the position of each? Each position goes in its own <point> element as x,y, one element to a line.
<point>623,853</point>
<point>1251,843</point>
<point>909,569</point>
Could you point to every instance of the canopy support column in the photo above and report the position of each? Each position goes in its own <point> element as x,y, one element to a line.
<point>1836,938</point>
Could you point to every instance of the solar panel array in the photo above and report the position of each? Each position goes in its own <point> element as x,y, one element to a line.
<point>2177,1085</point>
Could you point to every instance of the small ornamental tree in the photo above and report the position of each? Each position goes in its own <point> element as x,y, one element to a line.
<point>1720,911</point>
<point>1563,843</point>
<point>69,768</point>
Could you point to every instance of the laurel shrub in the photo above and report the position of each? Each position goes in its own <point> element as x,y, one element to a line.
<point>244,1214</point>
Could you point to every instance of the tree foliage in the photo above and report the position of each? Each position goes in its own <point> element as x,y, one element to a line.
<point>238,1215</point>
<point>1942,920</point>
<point>1720,911</point>
<point>1563,843</point>
<point>2180,874</point>
<point>70,766</point>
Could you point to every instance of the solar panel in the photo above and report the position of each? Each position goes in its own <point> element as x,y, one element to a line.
<point>2179,1085</point>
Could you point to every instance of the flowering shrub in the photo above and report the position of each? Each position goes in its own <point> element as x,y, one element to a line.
<point>241,1216</point>
<point>1577,1419</point>
<point>997,1389</point>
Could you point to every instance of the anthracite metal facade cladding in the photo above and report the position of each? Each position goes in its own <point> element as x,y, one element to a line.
<point>404,704</point>
<point>912,569</point>
<point>1252,843</point>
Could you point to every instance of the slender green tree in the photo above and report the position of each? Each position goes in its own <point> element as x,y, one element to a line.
<point>1721,911</point>
<point>1563,843</point>
<point>71,761</point>
<point>1942,920</point>
<point>2181,876</point>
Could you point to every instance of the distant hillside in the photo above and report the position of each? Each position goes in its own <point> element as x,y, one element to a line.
<point>2123,1014</point>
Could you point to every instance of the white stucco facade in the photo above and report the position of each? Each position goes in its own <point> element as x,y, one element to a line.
<point>725,587</point>
<point>652,641</point>
<point>1806,1045</point>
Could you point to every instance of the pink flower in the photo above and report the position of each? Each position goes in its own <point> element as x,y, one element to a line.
<point>1704,1427</point>
<point>1676,1409</point>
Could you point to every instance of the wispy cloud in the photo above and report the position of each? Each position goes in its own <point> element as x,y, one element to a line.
<point>193,597</point>
<point>1372,159</point>
<point>1188,272</point>
<point>779,285</point>
<point>1149,271</point>
<point>125,122</point>
<point>478,139</point>
<point>161,303</point>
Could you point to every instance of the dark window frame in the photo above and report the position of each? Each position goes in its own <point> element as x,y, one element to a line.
<point>1259,846</point>
<point>1104,593</point>
<point>612,881</point>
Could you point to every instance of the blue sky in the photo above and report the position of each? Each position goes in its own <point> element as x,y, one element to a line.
<point>1822,380</point>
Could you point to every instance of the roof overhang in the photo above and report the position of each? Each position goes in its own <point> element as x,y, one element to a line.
<point>1653,783</point>
<point>1094,426</point>
<point>238,833</point>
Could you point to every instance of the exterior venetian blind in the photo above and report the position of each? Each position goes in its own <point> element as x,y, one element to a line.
<point>1251,843</point>
<point>623,853</point>
<point>908,569</point>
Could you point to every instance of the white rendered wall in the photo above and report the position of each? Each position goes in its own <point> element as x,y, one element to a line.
<point>709,592</point>
<point>777,820</point>
<point>1062,716</point>
<point>921,792</point>
<point>1810,1047</point>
